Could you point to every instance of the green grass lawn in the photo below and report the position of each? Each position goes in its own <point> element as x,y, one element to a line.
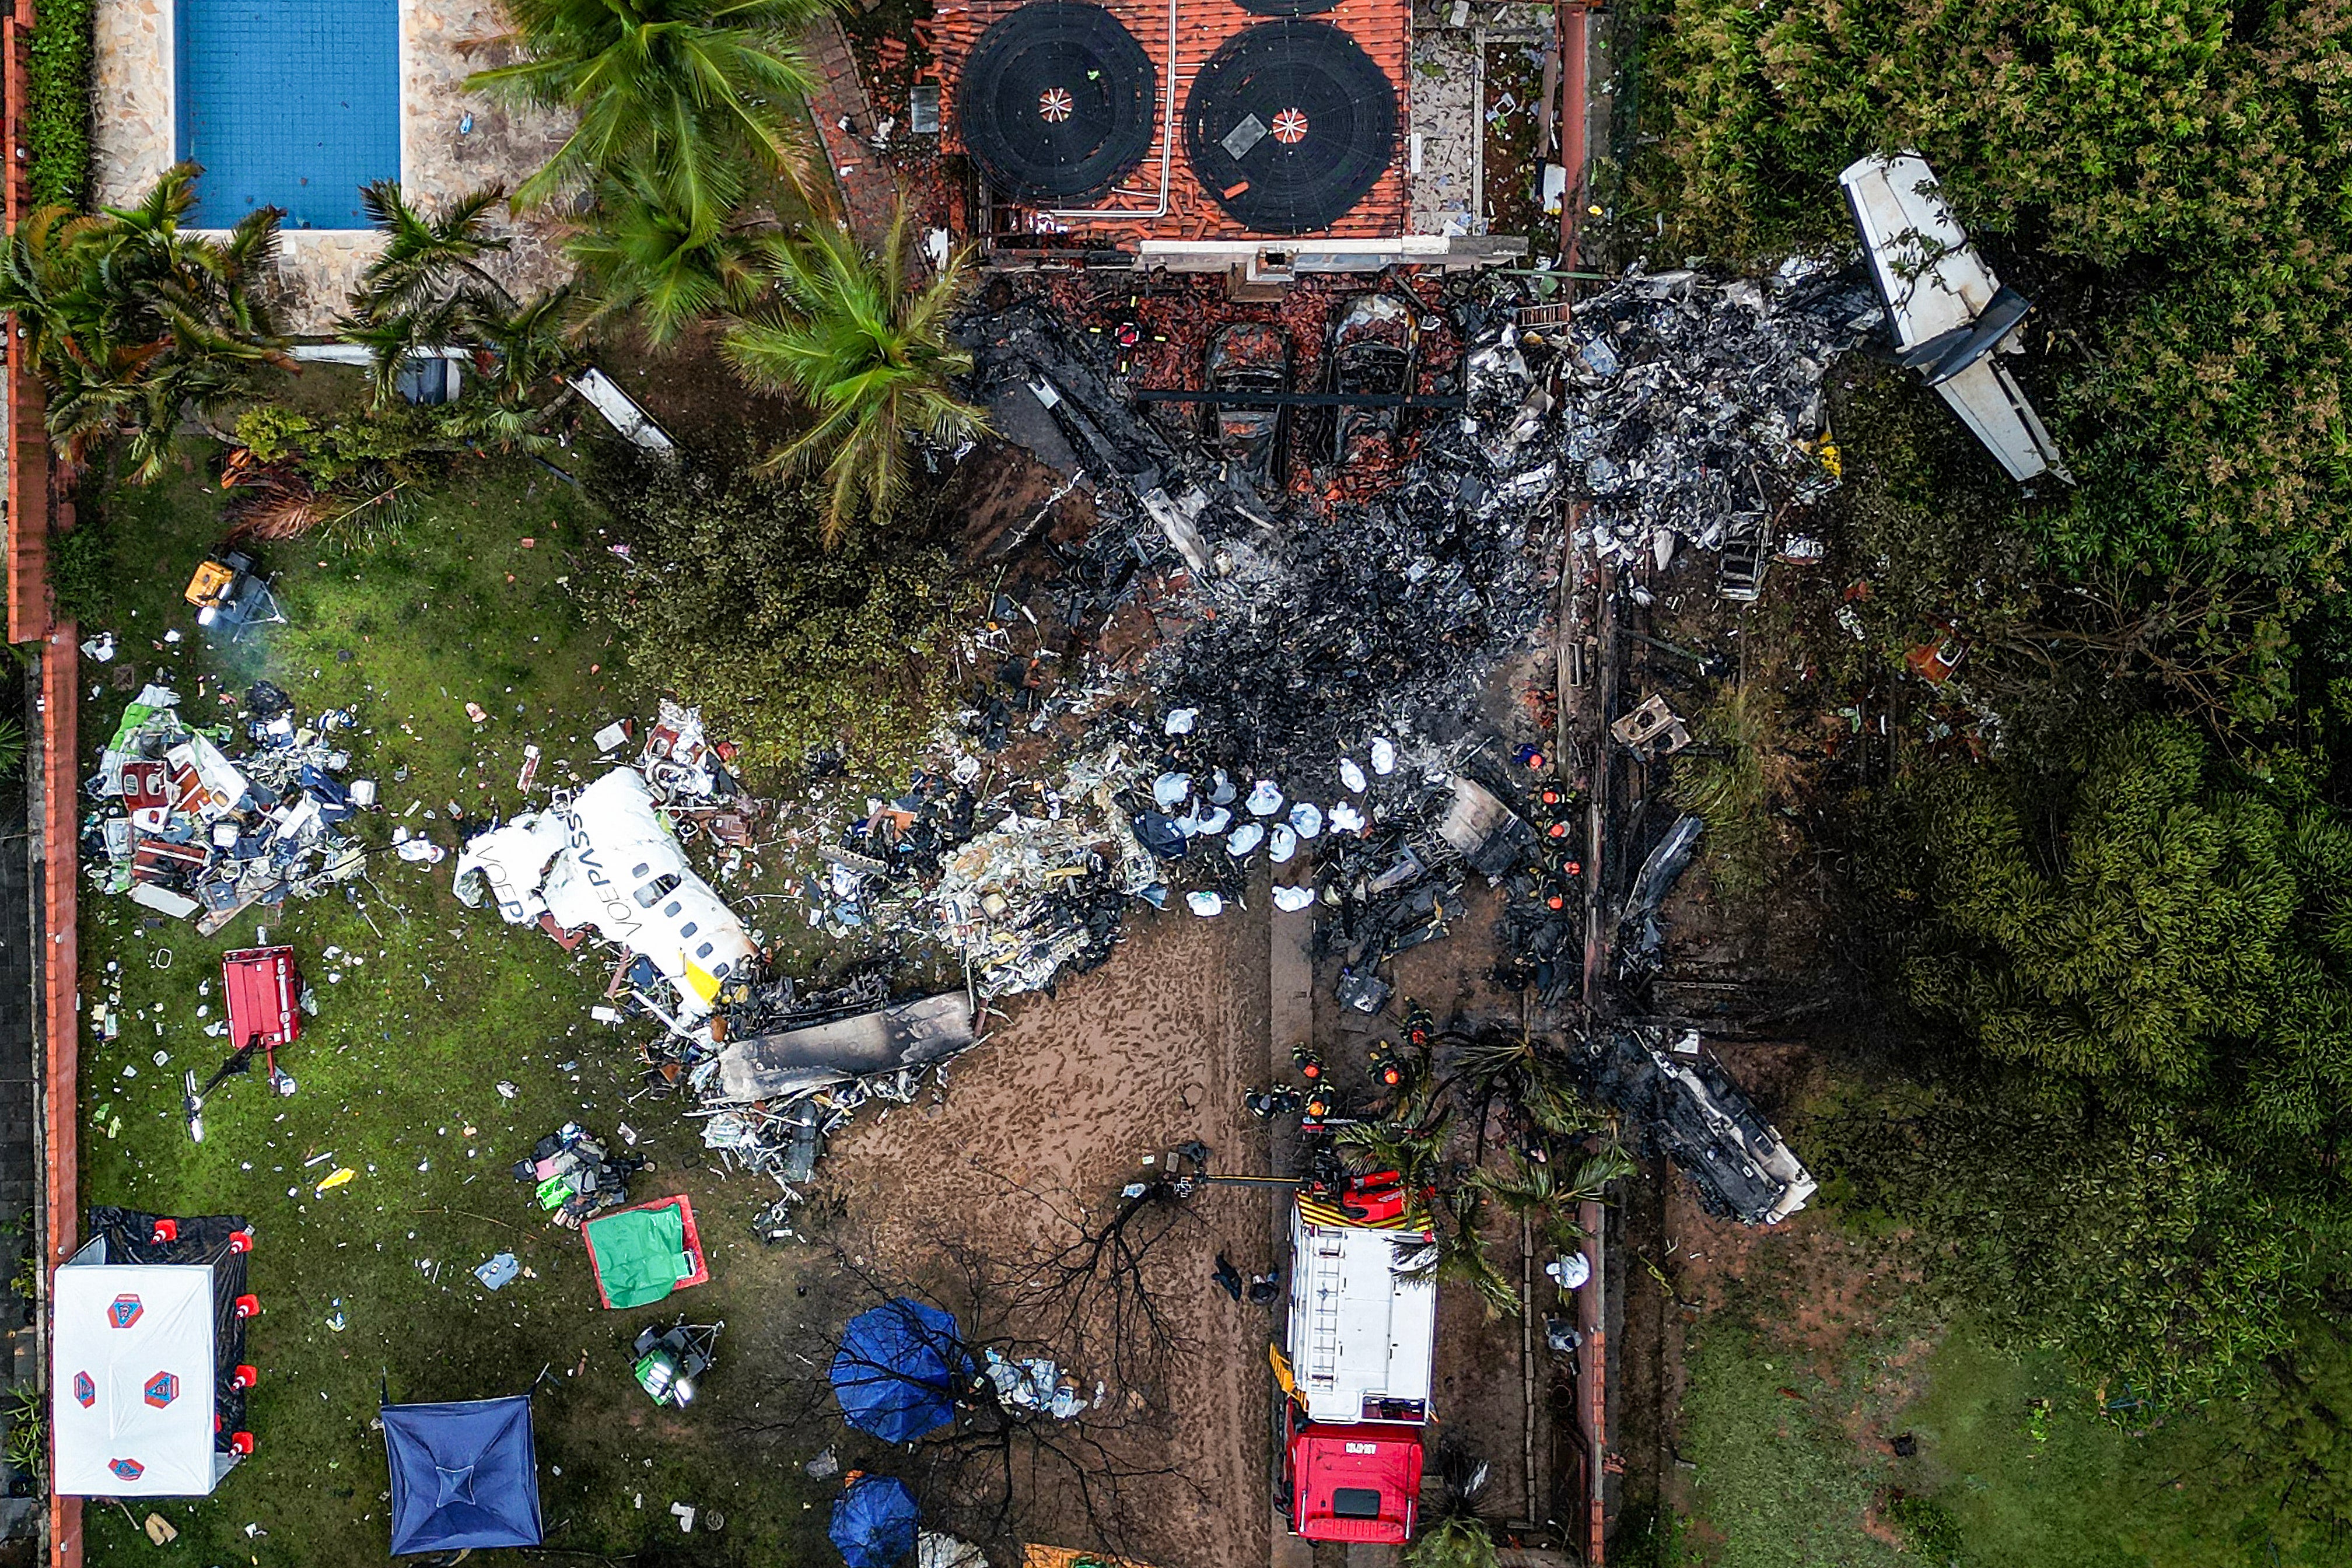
<point>425,1006</point>
<point>1791,1455</point>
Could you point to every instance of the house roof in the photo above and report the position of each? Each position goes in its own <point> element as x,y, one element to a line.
<point>1276,119</point>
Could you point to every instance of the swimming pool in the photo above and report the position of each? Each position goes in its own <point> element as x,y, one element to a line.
<point>288,103</point>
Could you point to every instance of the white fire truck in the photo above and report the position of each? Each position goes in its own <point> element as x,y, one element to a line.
<point>1360,1344</point>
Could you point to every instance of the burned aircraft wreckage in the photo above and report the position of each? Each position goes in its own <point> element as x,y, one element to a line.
<point>1310,701</point>
<point>1320,705</point>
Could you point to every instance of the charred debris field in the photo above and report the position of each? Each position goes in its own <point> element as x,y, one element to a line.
<point>1596,819</point>
<point>1313,715</point>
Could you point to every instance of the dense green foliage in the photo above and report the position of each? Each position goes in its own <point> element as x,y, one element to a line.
<point>2160,1271</point>
<point>790,643</point>
<point>2153,928</point>
<point>2174,178</point>
<point>697,97</point>
<point>129,320</point>
<point>57,104</point>
<point>866,348</point>
<point>2146,951</point>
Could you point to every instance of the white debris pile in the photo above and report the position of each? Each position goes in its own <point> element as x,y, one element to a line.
<point>186,829</point>
<point>609,859</point>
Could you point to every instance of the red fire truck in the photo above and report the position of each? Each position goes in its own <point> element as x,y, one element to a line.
<point>1361,1341</point>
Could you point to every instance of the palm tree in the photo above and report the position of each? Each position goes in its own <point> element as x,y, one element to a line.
<point>1515,1070</point>
<point>427,259</point>
<point>1458,1541</point>
<point>1453,1535</point>
<point>129,320</point>
<point>868,352</point>
<point>1549,1194</point>
<point>1409,1147</point>
<point>428,291</point>
<point>643,257</point>
<point>1462,1255</point>
<point>688,93</point>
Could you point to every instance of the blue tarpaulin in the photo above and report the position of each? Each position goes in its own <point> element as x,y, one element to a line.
<point>874,1522</point>
<point>897,1371</point>
<point>463,1473</point>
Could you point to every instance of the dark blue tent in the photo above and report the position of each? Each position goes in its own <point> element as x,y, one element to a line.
<point>874,1522</point>
<point>898,1370</point>
<point>463,1473</point>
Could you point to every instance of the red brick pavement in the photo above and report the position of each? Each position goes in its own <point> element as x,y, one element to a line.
<point>844,122</point>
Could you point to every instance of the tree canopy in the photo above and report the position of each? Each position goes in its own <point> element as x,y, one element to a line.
<point>2151,927</point>
<point>865,346</point>
<point>129,318</point>
<point>692,95</point>
<point>790,645</point>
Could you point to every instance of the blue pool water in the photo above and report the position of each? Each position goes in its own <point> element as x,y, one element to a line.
<point>289,103</point>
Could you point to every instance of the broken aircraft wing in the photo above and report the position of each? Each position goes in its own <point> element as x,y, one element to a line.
<point>1950,315</point>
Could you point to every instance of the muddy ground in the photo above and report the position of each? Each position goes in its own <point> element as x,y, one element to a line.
<point>1043,1122</point>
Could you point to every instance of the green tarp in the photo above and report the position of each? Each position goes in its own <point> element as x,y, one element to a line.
<point>640,1254</point>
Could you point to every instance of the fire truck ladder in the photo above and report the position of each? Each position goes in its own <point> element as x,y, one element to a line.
<point>1323,1327</point>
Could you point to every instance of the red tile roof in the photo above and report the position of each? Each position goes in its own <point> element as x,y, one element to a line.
<point>1384,28</point>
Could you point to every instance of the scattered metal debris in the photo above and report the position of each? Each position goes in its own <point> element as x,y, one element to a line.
<point>1695,411</point>
<point>186,829</point>
<point>1681,1104</point>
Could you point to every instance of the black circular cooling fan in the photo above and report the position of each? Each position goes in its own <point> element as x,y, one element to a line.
<point>1057,101</point>
<point>1289,124</point>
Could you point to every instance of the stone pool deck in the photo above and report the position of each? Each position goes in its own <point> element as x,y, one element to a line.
<point>441,155</point>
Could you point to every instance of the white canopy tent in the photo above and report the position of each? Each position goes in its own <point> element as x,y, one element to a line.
<point>132,1384</point>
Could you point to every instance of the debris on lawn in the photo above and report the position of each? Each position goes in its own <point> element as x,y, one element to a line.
<point>186,829</point>
<point>575,1176</point>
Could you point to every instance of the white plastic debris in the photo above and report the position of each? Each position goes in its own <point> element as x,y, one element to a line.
<point>98,649</point>
<point>1351,776</point>
<point>1384,757</point>
<point>1245,838</point>
<point>1264,798</point>
<point>1169,790</point>
<point>1291,900</point>
<point>1346,819</point>
<point>1221,789</point>
<point>1181,722</point>
<point>1205,824</point>
<point>1307,818</point>
<point>1283,844</point>
<point>1203,902</point>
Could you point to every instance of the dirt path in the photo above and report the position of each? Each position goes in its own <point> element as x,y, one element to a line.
<point>1056,1110</point>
